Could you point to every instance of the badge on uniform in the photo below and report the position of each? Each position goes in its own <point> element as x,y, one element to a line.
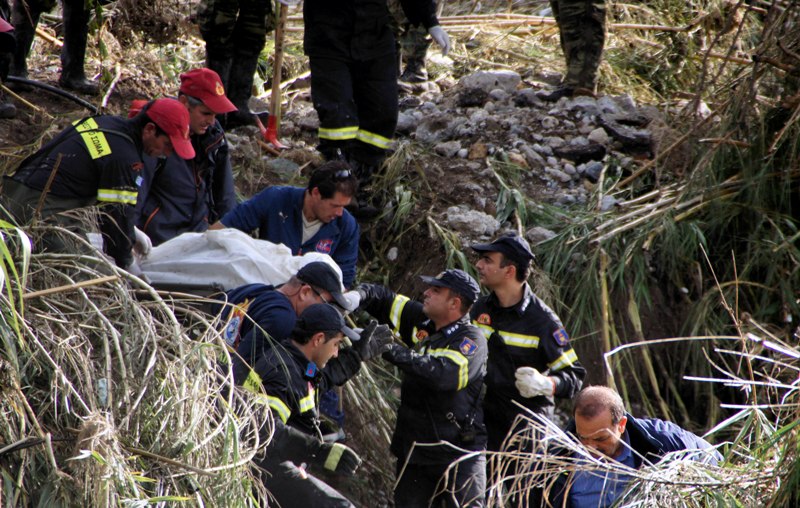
<point>484,319</point>
<point>324,246</point>
<point>311,370</point>
<point>468,347</point>
<point>561,337</point>
<point>231,333</point>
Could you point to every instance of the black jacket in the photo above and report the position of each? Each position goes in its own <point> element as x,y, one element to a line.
<point>357,29</point>
<point>442,382</point>
<point>179,195</point>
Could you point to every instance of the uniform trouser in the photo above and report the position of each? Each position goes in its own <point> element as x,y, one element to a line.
<point>356,102</point>
<point>235,32</point>
<point>76,32</point>
<point>413,40</point>
<point>422,485</point>
<point>291,486</point>
<point>582,25</point>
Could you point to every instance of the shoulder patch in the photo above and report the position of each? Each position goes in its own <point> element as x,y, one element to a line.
<point>324,246</point>
<point>137,166</point>
<point>562,339</point>
<point>421,335</point>
<point>231,333</point>
<point>484,319</point>
<point>468,347</point>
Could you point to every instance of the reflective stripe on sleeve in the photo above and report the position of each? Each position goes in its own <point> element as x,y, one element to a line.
<point>117,196</point>
<point>398,305</point>
<point>458,359</point>
<point>511,338</point>
<point>279,407</point>
<point>568,358</point>
<point>307,402</point>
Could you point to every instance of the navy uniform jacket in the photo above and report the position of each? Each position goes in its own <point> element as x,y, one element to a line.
<point>277,213</point>
<point>357,29</point>
<point>293,384</point>
<point>527,334</point>
<point>179,196</point>
<point>100,163</point>
<point>442,382</point>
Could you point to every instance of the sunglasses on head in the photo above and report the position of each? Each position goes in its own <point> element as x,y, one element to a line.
<point>342,174</point>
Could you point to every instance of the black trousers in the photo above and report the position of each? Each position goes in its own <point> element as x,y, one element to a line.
<point>292,486</point>
<point>356,102</point>
<point>422,485</point>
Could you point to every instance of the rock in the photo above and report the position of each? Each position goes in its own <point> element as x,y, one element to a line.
<point>552,161</point>
<point>533,158</point>
<point>607,203</point>
<point>526,97</point>
<point>409,101</point>
<point>489,80</point>
<point>462,154</point>
<point>309,121</point>
<point>465,220</point>
<point>583,103</point>
<point>626,103</point>
<point>624,129</point>
<point>392,254</point>
<point>580,154</point>
<point>478,116</point>
<point>498,95</point>
<point>405,123</point>
<point>448,148</point>
<point>558,175</point>
<point>579,141</point>
<point>544,150</point>
<point>283,167</point>
<point>518,159</point>
<point>570,169</point>
<point>593,170</point>
<point>608,106</point>
<point>555,142</point>
<point>538,234</point>
<point>434,129</point>
<point>472,96</point>
<point>549,123</point>
<point>599,136</point>
<point>478,150</point>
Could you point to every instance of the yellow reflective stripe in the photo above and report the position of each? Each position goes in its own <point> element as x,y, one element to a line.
<point>279,407</point>
<point>520,340</point>
<point>307,402</point>
<point>341,133</point>
<point>95,141</point>
<point>253,382</point>
<point>486,328</point>
<point>458,359</point>
<point>333,457</point>
<point>414,338</point>
<point>117,196</point>
<point>373,139</point>
<point>398,305</point>
<point>568,358</point>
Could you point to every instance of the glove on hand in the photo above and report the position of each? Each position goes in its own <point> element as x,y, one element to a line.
<point>289,3</point>
<point>375,339</point>
<point>142,243</point>
<point>531,383</point>
<point>441,38</point>
<point>353,300</point>
<point>340,459</point>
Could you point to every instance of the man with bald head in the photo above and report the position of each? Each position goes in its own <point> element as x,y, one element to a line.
<point>601,423</point>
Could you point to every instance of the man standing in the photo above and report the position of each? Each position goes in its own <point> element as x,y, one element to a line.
<point>98,160</point>
<point>582,26</point>
<point>601,424</point>
<point>351,51</point>
<point>530,358</point>
<point>7,45</point>
<point>440,419</point>
<point>306,220</point>
<point>76,33</point>
<point>179,195</point>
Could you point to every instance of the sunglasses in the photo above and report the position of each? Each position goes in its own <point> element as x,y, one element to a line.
<point>324,300</point>
<point>342,174</point>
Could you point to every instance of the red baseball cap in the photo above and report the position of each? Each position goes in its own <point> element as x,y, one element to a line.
<point>173,118</point>
<point>204,84</point>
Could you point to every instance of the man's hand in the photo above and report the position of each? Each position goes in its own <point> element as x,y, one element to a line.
<point>375,339</point>
<point>441,38</point>
<point>142,244</point>
<point>340,459</point>
<point>353,298</point>
<point>532,383</point>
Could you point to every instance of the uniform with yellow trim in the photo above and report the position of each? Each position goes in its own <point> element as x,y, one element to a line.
<point>527,334</point>
<point>97,160</point>
<point>443,377</point>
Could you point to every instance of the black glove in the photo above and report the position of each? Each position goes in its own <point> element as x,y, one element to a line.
<point>375,339</point>
<point>338,458</point>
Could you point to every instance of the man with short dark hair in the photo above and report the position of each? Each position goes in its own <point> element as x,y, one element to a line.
<point>178,195</point>
<point>98,160</point>
<point>602,424</point>
<point>313,219</point>
<point>530,358</point>
<point>440,419</point>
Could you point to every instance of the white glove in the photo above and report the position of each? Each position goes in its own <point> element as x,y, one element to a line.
<point>353,300</point>
<point>142,244</point>
<point>441,38</point>
<point>531,383</point>
<point>289,3</point>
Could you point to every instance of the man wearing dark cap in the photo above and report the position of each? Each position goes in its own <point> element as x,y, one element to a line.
<point>440,419</point>
<point>311,219</point>
<point>530,357</point>
<point>97,160</point>
<point>179,195</point>
<point>292,374</point>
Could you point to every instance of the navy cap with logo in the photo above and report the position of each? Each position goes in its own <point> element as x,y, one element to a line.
<point>458,281</point>
<point>322,276</point>
<point>323,317</point>
<point>511,245</point>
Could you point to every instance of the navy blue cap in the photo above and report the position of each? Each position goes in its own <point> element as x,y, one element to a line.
<point>323,317</point>
<point>510,245</point>
<point>458,281</point>
<point>322,275</point>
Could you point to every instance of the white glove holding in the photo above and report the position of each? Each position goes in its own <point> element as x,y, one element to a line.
<point>142,244</point>
<point>289,3</point>
<point>353,300</point>
<point>441,38</point>
<point>531,383</point>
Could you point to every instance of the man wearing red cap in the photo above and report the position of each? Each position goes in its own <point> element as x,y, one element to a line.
<point>96,160</point>
<point>179,195</point>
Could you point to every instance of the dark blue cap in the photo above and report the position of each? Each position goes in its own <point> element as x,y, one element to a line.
<point>458,281</point>
<point>510,245</point>
<point>322,275</point>
<point>323,317</point>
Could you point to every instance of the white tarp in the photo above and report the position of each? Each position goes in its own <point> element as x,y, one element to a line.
<point>227,258</point>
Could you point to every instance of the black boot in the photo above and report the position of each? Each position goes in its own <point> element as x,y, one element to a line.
<point>415,71</point>
<point>364,206</point>
<point>239,89</point>
<point>24,33</point>
<point>7,110</point>
<point>76,33</point>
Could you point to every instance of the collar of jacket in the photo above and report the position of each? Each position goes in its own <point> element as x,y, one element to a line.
<point>520,307</point>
